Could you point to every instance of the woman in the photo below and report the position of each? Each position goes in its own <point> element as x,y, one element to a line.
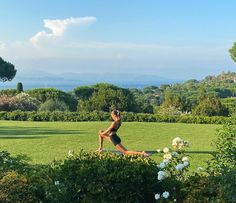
<point>110,135</point>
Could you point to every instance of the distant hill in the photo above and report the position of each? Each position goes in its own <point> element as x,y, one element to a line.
<point>229,76</point>
<point>68,81</point>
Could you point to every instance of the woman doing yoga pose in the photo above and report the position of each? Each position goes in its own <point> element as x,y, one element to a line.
<point>110,135</point>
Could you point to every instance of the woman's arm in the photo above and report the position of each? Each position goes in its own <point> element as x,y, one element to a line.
<point>108,129</point>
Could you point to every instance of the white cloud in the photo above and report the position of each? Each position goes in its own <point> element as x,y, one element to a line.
<point>2,45</point>
<point>58,28</point>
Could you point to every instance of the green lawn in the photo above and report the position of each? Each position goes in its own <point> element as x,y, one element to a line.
<point>45,141</point>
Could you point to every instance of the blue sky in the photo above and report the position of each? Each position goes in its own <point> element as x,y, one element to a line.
<point>175,39</point>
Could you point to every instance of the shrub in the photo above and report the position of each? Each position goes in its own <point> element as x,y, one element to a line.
<point>8,92</point>
<point>223,164</point>
<point>21,102</point>
<point>15,187</point>
<point>105,116</point>
<point>45,94</point>
<point>91,177</point>
<point>54,105</point>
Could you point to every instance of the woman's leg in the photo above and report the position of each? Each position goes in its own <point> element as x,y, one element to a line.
<point>100,140</point>
<point>122,149</point>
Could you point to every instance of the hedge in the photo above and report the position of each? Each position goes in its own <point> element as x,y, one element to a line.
<point>86,177</point>
<point>104,116</point>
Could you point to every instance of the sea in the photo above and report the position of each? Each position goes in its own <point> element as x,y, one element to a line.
<point>69,86</point>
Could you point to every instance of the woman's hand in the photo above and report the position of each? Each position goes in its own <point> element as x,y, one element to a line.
<point>101,132</point>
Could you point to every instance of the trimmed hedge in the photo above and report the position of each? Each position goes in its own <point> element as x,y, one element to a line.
<point>86,177</point>
<point>104,116</point>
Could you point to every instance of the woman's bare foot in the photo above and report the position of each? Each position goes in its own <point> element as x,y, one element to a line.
<point>145,153</point>
<point>99,150</point>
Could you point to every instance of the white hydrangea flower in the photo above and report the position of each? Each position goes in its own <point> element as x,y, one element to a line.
<point>174,154</point>
<point>166,161</point>
<point>157,196</point>
<point>162,175</point>
<point>186,163</point>
<point>185,158</point>
<point>167,156</point>
<point>166,150</point>
<point>179,143</point>
<point>179,167</point>
<point>165,194</point>
<point>162,165</point>
<point>176,141</point>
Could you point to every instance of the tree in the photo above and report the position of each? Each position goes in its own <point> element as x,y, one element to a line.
<point>210,106</point>
<point>7,71</point>
<point>106,96</point>
<point>19,87</point>
<point>232,52</point>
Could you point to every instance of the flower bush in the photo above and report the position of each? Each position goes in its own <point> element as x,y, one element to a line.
<point>172,171</point>
<point>18,102</point>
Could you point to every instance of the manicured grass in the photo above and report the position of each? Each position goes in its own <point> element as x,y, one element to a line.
<point>45,141</point>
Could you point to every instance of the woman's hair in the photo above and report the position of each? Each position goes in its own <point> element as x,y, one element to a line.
<point>116,112</point>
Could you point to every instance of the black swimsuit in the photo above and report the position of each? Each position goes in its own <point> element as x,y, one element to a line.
<point>114,137</point>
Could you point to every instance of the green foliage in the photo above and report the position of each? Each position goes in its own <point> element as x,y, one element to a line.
<point>14,187</point>
<point>92,177</point>
<point>104,116</point>
<point>8,92</point>
<point>54,105</point>
<point>230,103</point>
<point>216,183</point>
<point>176,101</point>
<point>102,97</point>
<point>44,94</point>
<point>201,188</point>
<point>83,92</point>
<point>19,87</point>
<point>7,71</point>
<point>232,52</point>
<point>210,106</point>
<point>86,177</point>
<point>223,164</point>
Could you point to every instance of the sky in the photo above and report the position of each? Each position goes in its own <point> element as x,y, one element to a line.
<point>173,39</point>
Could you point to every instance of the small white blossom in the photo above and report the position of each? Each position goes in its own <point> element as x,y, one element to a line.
<point>185,158</point>
<point>165,194</point>
<point>157,196</point>
<point>166,150</point>
<point>56,182</point>
<point>70,153</point>
<point>158,150</point>
<point>186,163</point>
<point>179,167</point>
<point>200,168</point>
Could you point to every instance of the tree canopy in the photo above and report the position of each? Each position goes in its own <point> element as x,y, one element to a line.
<point>232,52</point>
<point>7,71</point>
